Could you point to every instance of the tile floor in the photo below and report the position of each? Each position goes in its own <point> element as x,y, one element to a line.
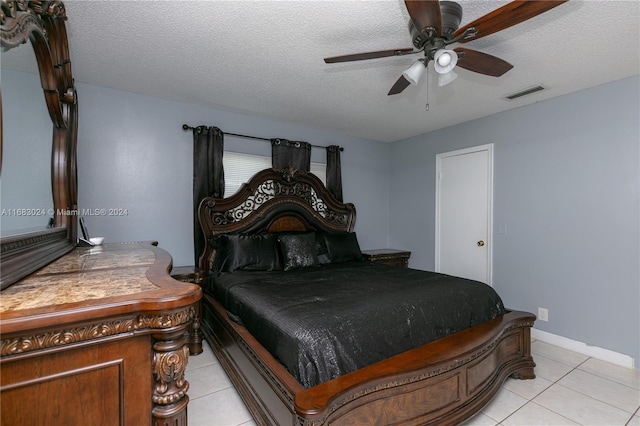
<point>570,389</point>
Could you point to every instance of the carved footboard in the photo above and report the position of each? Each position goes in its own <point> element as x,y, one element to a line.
<point>443,382</point>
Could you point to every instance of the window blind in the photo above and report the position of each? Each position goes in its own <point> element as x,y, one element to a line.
<point>240,167</point>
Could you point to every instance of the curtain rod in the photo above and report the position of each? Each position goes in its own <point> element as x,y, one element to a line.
<point>187,127</point>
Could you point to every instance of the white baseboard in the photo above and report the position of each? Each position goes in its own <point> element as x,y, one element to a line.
<point>582,348</point>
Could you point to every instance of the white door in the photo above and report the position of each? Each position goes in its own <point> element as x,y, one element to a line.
<point>464,201</point>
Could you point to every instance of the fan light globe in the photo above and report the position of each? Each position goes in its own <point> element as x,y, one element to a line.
<point>414,72</point>
<point>444,79</point>
<point>445,61</point>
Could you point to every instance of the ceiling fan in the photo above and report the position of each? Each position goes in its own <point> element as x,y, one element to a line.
<point>435,24</point>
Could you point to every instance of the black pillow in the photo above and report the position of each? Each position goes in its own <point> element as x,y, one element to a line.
<point>298,250</point>
<point>321,249</point>
<point>247,252</point>
<point>343,247</point>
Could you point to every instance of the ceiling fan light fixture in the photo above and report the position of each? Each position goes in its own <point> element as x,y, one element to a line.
<point>414,72</point>
<point>445,60</point>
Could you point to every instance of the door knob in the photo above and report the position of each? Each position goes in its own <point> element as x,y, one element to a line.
<point>480,243</point>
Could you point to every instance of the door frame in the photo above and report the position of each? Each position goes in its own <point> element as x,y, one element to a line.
<point>489,240</point>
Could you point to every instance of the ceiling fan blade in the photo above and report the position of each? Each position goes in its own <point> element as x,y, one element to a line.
<point>400,84</point>
<point>425,14</point>
<point>507,16</point>
<point>369,55</point>
<point>482,63</point>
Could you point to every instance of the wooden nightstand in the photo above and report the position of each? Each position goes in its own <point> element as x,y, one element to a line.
<point>187,274</point>
<point>387,256</point>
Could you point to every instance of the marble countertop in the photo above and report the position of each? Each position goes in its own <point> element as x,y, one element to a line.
<point>116,269</point>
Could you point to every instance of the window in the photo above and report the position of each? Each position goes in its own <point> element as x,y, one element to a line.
<point>239,168</point>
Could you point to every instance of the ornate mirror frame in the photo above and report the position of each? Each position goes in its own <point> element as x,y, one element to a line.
<point>43,24</point>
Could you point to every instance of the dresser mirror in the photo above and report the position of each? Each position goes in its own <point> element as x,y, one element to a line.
<point>38,138</point>
<point>25,181</point>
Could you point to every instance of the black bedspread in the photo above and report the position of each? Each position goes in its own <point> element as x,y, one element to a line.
<point>326,321</point>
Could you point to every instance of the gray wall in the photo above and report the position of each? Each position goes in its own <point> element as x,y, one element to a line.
<point>134,155</point>
<point>567,177</point>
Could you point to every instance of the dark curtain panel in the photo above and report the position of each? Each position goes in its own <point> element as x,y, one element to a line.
<point>208,175</point>
<point>334,171</point>
<point>286,153</point>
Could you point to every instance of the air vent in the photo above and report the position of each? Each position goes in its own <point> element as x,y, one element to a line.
<point>525,92</point>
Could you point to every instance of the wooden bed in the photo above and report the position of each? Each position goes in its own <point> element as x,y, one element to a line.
<point>442,382</point>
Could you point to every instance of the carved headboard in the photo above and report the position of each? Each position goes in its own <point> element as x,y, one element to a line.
<point>274,201</point>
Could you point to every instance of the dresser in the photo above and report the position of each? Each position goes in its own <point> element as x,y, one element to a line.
<point>97,337</point>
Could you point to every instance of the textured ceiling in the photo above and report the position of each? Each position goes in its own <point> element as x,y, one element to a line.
<point>265,58</point>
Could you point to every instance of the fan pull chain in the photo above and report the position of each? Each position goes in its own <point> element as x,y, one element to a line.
<point>426,107</point>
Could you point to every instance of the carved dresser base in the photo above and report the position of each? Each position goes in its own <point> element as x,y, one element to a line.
<point>110,348</point>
